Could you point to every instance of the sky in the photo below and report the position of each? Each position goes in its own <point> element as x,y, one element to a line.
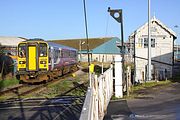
<point>64,19</point>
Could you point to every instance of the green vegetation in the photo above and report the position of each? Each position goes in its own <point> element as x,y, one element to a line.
<point>141,88</point>
<point>63,86</point>
<point>150,84</point>
<point>176,78</point>
<point>8,82</point>
<point>60,88</point>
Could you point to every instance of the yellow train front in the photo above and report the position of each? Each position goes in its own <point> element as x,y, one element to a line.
<point>39,60</point>
<point>32,61</point>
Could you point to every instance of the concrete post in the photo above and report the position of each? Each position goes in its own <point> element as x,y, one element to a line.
<point>118,77</point>
<point>128,80</point>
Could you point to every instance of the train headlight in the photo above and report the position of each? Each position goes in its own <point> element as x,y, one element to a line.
<point>22,62</point>
<point>42,62</point>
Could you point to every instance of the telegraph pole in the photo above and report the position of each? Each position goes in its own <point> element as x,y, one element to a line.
<point>134,58</point>
<point>86,27</point>
<point>149,42</point>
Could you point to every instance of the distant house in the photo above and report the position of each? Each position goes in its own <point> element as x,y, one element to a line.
<point>9,44</point>
<point>99,48</point>
<point>177,53</point>
<point>162,42</point>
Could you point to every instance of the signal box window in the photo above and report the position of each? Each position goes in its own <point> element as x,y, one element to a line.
<point>152,42</point>
<point>42,50</point>
<point>22,50</point>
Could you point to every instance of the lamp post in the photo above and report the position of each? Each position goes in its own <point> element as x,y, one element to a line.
<point>80,49</point>
<point>117,15</point>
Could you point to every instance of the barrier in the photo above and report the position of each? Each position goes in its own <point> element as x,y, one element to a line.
<point>98,96</point>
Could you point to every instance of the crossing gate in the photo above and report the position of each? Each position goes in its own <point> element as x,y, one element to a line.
<point>98,96</point>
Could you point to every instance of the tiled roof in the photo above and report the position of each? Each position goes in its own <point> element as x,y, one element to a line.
<point>75,43</point>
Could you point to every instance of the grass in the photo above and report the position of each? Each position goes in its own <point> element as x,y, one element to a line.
<point>143,86</point>
<point>150,84</point>
<point>8,82</point>
<point>176,78</point>
<point>55,90</point>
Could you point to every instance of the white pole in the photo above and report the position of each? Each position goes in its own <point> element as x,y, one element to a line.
<point>118,77</point>
<point>176,42</point>
<point>149,42</point>
<point>80,50</point>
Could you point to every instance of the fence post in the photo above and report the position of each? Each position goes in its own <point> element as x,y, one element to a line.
<point>128,79</point>
<point>118,77</point>
<point>96,117</point>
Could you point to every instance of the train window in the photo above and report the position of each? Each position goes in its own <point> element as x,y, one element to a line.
<point>22,50</point>
<point>65,53</point>
<point>56,52</point>
<point>73,54</point>
<point>42,49</point>
<point>59,53</point>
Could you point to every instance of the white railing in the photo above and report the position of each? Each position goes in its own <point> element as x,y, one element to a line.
<point>98,96</point>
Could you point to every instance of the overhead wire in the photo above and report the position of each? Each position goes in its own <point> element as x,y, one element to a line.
<point>107,25</point>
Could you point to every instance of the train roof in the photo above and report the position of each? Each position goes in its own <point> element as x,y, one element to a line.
<point>61,46</point>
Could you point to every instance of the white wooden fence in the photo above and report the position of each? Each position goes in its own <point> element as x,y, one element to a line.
<point>98,96</point>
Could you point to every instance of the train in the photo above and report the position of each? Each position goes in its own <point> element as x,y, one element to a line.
<point>42,61</point>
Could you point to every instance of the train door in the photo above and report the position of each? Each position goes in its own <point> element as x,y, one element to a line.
<point>52,58</point>
<point>32,58</point>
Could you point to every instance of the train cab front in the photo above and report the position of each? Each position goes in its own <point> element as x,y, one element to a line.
<point>32,62</point>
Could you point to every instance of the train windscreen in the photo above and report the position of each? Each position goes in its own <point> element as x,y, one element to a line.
<point>42,49</point>
<point>22,50</point>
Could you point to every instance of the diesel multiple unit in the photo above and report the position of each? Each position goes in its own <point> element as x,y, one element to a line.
<point>39,60</point>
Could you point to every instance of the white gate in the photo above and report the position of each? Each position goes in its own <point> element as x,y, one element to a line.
<point>98,96</point>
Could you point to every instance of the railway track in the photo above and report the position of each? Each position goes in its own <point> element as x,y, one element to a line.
<point>63,106</point>
<point>11,89</point>
<point>23,89</point>
<point>66,107</point>
<point>19,90</point>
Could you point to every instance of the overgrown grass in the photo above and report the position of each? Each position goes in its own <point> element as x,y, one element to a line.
<point>150,84</point>
<point>143,86</point>
<point>55,90</point>
<point>8,82</point>
<point>176,78</point>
